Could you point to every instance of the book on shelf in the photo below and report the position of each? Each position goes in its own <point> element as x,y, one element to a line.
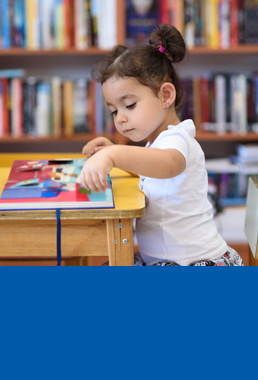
<point>51,184</point>
<point>141,18</point>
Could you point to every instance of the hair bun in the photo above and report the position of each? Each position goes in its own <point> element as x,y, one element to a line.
<point>170,38</point>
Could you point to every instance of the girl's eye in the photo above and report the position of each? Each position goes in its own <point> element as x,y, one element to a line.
<point>113,113</point>
<point>131,105</point>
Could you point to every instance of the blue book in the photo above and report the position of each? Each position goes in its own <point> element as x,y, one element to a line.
<point>12,73</point>
<point>18,38</point>
<point>5,24</point>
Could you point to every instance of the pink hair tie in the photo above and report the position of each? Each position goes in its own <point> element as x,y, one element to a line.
<point>162,49</point>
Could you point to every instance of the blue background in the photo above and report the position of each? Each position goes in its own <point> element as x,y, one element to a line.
<point>128,323</point>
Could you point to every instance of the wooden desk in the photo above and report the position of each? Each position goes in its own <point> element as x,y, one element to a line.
<point>251,220</point>
<point>32,234</point>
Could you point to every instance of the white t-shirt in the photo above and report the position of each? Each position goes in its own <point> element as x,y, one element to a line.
<point>178,224</point>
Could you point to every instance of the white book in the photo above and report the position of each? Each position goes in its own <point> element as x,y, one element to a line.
<point>36,25</point>
<point>242,102</point>
<point>110,22</point>
<point>43,110</point>
<point>234,106</point>
<point>81,26</point>
<point>220,103</point>
<point>47,9</point>
<point>224,21</point>
<point>247,150</point>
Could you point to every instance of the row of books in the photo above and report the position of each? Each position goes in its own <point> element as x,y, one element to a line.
<point>222,102</point>
<point>39,107</point>
<point>57,24</point>
<point>230,174</point>
<point>214,23</point>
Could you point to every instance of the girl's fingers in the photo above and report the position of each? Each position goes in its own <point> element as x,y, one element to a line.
<point>97,182</point>
<point>91,183</point>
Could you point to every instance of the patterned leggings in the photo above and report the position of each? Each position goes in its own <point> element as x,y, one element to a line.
<point>230,259</point>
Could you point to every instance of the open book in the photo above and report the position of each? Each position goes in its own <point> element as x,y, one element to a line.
<point>51,184</point>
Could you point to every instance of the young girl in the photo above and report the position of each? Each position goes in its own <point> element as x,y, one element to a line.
<point>143,92</point>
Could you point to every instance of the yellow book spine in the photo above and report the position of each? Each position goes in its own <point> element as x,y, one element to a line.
<point>29,24</point>
<point>214,32</point>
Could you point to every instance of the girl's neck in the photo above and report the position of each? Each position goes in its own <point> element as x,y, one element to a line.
<point>172,120</point>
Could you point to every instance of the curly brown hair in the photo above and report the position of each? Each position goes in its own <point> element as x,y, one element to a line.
<point>146,63</point>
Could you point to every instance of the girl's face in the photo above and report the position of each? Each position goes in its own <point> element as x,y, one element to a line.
<point>138,113</point>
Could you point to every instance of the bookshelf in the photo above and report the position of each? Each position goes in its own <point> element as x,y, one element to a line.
<point>67,61</point>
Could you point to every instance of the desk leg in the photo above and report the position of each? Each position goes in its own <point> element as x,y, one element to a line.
<point>120,242</point>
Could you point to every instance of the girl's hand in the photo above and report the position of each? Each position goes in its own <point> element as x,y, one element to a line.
<point>96,145</point>
<point>95,170</point>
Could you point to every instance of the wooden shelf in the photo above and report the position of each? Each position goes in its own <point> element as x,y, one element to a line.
<point>240,49</point>
<point>209,136</point>
<point>26,52</point>
<point>200,136</point>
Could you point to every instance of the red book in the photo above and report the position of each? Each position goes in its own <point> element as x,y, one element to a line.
<point>67,22</point>
<point>164,12</point>
<point>233,22</point>
<point>72,22</point>
<point>5,99</point>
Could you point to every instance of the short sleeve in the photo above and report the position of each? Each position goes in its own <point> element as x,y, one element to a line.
<point>175,141</point>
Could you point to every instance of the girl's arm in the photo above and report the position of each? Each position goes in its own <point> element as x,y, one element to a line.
<point>149,162</point>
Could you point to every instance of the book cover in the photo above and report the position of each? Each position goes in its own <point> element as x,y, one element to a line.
<point>51,184</point>
<point>141,18</point>
<point>5,24</point>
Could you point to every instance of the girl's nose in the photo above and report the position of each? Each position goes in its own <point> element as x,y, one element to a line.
<point>121,118</point>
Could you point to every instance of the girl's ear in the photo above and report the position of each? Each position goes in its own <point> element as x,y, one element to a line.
<point>167,94</point>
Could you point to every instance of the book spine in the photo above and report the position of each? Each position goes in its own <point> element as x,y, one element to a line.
<point>1,111</point>
<point>197,102</point>
<point>56,106</point>
<point>220,103</point>
<point>67,26</point>
<point>79,105</point>
<point>98,110</point>
<point>111,36</point>
<point>164,11</point>
<point>233,22</point>
<point>176,8</point>
<point>19,23</point>
<point>47,24</point>
<point>214,36</point>
<point>59,24</point>
<point>5,24</point>
<point>17,114</point>
<point>205,100</point>
<point>29,24</point>
<point>5,113</point>
<point>242,94</point>
<point>189,30</point>
<point>12,73</point>
<point>80,25</point>
<point>241,31</point>
<point>68,108</point>
<point>224,24</point>
<point>42,110</point>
